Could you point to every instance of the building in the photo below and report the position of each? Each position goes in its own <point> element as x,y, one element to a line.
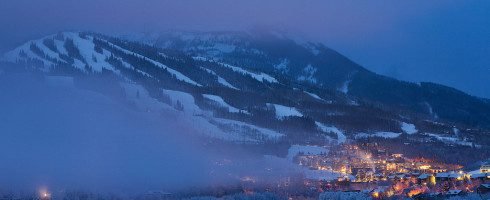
<point>426,178</point>
<point>485,169</point>
<point>484,188</point>
<point>480,176</point>
<point>397,155</point>
<point>484,191</point>
<point>435,195</point>
<point>454,192</point>
<point>449,176</point>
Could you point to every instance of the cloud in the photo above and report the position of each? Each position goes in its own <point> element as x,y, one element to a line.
<point>60,137</point>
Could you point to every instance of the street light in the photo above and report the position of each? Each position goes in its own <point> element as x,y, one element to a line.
<point>45,195</point>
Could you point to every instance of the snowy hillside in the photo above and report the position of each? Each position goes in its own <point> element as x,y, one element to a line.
<point>315,64</point>
<point>237,88</point>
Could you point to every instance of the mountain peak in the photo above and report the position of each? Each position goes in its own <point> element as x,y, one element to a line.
<point>246,62</point>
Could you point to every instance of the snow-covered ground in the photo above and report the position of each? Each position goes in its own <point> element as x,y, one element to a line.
<point>177,74</point>
<point>85,46</point>
<point>195,117</point>
<point>305,149</point>
<point>474,172</point>
<point>211,130</point>
<point>257,76</point>
<point>314,96</point>
<point>285,111</point>
<point>322,175</point>
<point>223,104</point>
<point>313,49</point>
<point>308,74</point>
<point>325,175</point>
<point>93,58</point>
<point>408,128</point>
<point>192,115</point>
<point>221,80</point>
<point>260,77</point>
<point>431,110</point>
<point>456,131</point>
<point>127,65</point>
<point>345,87</point>
<point>142,100</point>
<point>96,60</point>
<point>235,130</point>
<point>286,163</point>
<point>282,66</point>
<point>341,138</point>
<point>246,129</point>
<point>186,99</point>
<point>216,49</point>
<point>382,134</point>
<point>450,140</point>
<point>15,55</point>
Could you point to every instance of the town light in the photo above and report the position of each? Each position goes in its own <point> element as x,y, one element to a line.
<point>44,194</point>
<point>424,167</point>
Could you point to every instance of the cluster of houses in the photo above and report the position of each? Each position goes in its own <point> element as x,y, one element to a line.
<point>384,175</point>
<point>426,185</point>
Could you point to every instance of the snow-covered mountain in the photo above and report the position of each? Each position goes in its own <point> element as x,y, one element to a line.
<point>315,64</point>
<point>261,89</point>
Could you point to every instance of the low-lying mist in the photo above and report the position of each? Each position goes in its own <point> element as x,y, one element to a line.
<point>60,137</point>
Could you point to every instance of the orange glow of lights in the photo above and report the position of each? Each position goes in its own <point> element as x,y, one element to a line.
<point>343,169</point>
<point>424,167</point>
<point>391,166</point>
<point>414,192</point>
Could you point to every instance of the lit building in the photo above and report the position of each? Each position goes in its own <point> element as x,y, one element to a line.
<point>485,169</point>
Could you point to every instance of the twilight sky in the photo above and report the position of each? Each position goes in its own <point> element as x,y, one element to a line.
<point>446,42</point>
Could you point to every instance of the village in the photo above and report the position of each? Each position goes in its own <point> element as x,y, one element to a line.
<point>357,173</point>
<point>372,170</point>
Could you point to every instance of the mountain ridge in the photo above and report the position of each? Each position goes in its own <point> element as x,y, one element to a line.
<point>314,63</point>
<point>236,91</point>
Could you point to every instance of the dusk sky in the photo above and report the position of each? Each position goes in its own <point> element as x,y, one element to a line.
<point>446,42</point>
